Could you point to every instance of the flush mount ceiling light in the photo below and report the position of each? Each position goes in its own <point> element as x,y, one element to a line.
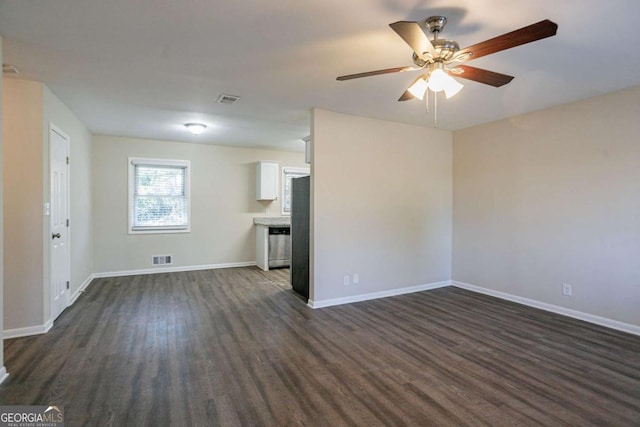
<point>195,128</point>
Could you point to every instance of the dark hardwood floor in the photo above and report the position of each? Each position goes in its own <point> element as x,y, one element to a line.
<point>236,347</point>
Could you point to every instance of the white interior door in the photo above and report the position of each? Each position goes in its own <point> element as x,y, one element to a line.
<point>59,221</point>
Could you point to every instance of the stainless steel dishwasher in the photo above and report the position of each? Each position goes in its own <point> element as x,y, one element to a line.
<point>279,247</point>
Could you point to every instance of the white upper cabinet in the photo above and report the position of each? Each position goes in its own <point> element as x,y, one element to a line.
<point>267,180</point>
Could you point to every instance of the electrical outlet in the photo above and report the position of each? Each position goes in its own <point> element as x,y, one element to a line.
<point>356,278</point>
<point>567,289</point>
<point>346,280</point>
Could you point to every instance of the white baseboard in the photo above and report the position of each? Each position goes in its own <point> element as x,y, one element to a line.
<point>28,331</point>
<point>81,289</point>
<point>172,269</point>
<point>43,329</point>
<point>602,321</point>
<point>3,374</point>
<point>375,295</point>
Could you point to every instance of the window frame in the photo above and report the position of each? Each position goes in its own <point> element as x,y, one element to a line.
<point>290,170</point>
<point>170,163</point>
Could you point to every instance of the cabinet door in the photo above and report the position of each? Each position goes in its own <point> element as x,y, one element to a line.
<point>267,180</point>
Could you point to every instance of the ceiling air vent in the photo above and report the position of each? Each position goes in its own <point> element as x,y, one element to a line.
<point>227,99</point>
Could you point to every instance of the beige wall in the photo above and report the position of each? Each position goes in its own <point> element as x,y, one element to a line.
<point>223,204</point>
<point>2,368</point>
<point>28,108</point>
<point>553,197</point>
<point>22,131</point>
<point>382,205</point>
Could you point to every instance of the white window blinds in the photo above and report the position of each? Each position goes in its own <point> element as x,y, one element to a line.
<point>287,174</point>
<point>159,195</point>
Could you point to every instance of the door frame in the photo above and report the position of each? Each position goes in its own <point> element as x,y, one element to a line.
<point>67,267</point>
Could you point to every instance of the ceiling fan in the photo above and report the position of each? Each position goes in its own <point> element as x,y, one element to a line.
<point>441,58</point>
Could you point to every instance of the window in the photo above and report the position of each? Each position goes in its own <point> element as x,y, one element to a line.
<point>287,174</point>
<point>158,196</point>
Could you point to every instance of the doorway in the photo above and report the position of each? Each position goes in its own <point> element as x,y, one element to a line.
<point>60,256</point>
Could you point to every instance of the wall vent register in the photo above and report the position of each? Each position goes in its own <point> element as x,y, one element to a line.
<point>161,260</point>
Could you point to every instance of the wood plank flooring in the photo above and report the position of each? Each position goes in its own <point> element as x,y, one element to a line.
<point>236,347</point>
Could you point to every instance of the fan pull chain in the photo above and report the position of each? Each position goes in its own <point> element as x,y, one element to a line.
<point>435,106</point>
<point>435,109</point>
<point>426,101</point>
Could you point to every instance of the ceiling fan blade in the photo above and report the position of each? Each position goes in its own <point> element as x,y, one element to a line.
<point>406,96</point>
<point>487,77</point>
<point>531,33</point>
<point>411,32</point>
<point>376,73</point>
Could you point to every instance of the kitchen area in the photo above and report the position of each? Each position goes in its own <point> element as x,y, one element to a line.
<point>283,241</point>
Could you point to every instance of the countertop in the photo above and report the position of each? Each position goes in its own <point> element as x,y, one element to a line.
<point>276,221</point>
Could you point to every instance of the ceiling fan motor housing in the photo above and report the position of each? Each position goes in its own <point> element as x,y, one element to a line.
<point>445,49</point>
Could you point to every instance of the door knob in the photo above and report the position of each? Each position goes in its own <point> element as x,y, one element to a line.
<point>53,236</point>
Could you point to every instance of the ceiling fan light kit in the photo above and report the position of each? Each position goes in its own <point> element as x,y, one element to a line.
<point>441,81</point>
<point>419,88</point>
<point>442,58</point>
<point>437,81</point>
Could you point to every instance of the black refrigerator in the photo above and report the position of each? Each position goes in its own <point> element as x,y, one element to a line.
<point>300,233</point>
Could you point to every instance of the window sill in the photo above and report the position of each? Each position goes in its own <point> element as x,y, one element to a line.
<point>160,231</point>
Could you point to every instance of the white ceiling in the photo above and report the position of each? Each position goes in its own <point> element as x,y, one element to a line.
<point>143,68</point>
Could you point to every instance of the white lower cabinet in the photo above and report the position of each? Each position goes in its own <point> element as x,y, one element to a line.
<point>262,247</point>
